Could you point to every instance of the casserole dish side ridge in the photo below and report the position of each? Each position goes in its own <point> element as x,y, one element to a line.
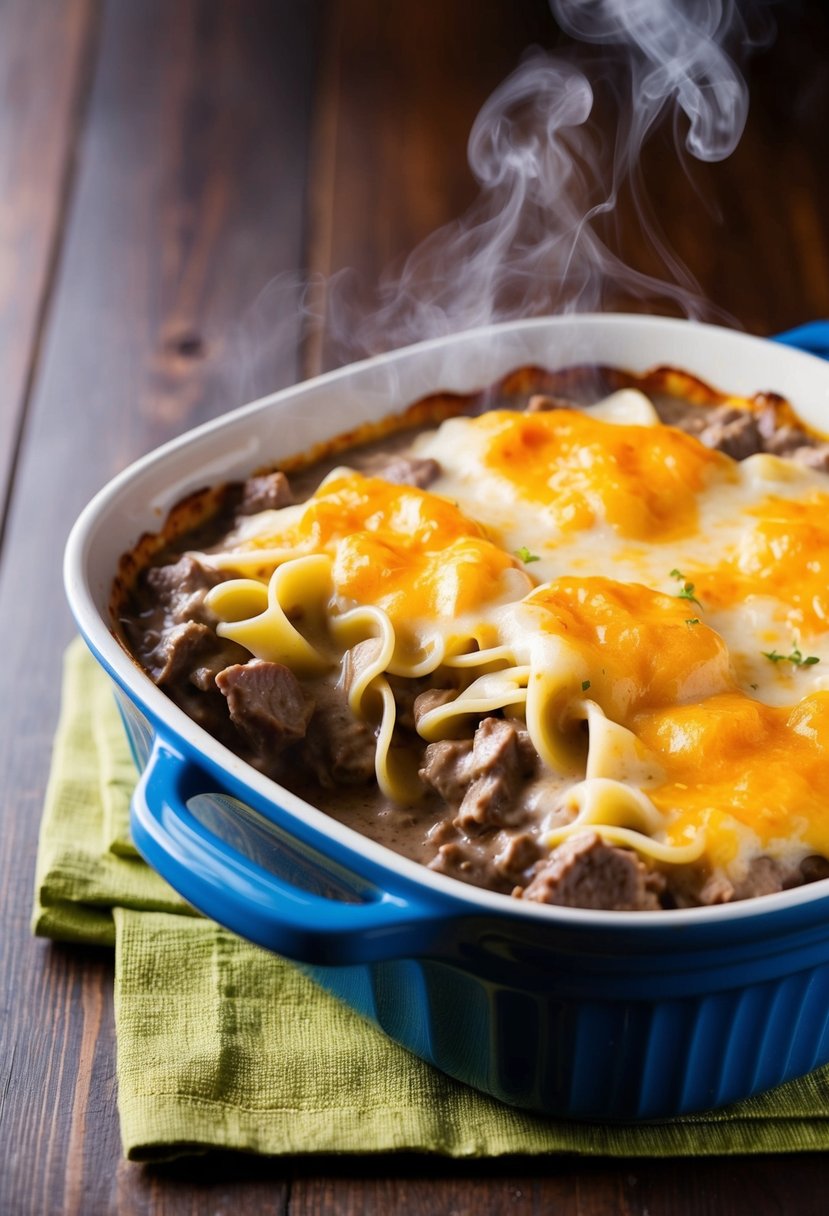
<point>567,1011</point>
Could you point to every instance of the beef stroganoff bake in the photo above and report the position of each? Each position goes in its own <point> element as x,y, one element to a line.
<point>567,640</point>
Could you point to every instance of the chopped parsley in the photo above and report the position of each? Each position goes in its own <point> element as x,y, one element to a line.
<point>526,556</point>
<point>692,620</point>
<point>585,684</point>
<point>796,657</point>
<point>686,591</point>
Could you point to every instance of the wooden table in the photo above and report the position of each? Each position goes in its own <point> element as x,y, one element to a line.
<point>161,164</point>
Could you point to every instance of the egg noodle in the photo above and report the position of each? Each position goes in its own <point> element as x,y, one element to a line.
<point>655,613</point>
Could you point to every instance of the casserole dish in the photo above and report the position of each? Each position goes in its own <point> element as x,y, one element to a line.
<point>564,1011</point>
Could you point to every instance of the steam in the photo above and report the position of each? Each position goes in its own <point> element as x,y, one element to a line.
<point>676,53</point>
<point>540,238</point>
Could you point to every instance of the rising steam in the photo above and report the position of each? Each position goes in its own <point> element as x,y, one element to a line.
<point>535,241</point>
<point>539,238</point>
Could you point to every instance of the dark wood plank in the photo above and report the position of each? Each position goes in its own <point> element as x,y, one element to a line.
<point>38,129</point>
<point>188,198</point>
<point>567,1186</point>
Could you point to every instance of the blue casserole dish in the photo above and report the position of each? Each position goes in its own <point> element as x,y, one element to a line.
<point>600,1015</point>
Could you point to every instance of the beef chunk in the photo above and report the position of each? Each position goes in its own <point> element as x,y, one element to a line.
<point>179,589</point>
<point>358,658</point>
<point>482,778</point>
<point>673,411</point>
<point>814,867</point>
<point>220,654</point>
<point>518,854</point>
<point>715,890</point>
<point>497,862</point>
<point>181,650</point>
<point>541,402</point>
<point>499,764</point>
<point>267,492</point>
<point>266,703</point>
<point>780,440</point>
<point>413,698</point>
<point>585,872</point>
<point>815,456</point>
<point>732,431</point>
<point>764,876</point>
<point>446,768</point>
<point>411,471</point>
<point>432,698</point>
<point>741,432</point>
<point>338,749</point>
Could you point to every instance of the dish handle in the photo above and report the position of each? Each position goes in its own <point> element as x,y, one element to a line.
<point>812,337</point>
<point>227,885</point>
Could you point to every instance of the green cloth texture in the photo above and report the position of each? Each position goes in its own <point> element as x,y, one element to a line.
<point>223,1045</point>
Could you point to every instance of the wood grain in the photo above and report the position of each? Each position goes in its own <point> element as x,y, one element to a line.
<point>187,200</point>
<point>39,43</point>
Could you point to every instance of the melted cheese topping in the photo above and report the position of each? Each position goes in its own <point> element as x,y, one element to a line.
<point>579,469</point>
<point>657,613</point>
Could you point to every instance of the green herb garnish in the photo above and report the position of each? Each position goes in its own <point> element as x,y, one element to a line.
<point>692,620</point>
<point>686,591</point>
<point>526,556</point>
<point>796,657</point>
<point>585,684</point>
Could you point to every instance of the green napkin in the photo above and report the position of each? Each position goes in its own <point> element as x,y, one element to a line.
<point>222,1045</point>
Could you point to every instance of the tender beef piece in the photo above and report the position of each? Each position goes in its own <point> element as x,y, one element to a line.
<point>673,411</point>
<point>178,589</point>
<point>358,658</point>
<point>741,433</point>
<point>430,699</point>
<point>814,867</point>
<point>813,457</point>
<point>763,877</point>
<point>732,431</point>
<point>482,778</point>
<point>497,862</point>
<point>267,492</point>
<point>518,855</point>
<point>410,471</point>
<point>585,872</point>
<point>221,654</point>
<point>446,768</point>
<point>464,859</point>
<point>408,694</point>
<point>266,703</point>
<point>715,890</point>
<point>791,441</point>
<point>180,649</point>
<point>338,749</point>
<point>785,441</point>
<point>725,428</point>
<point>499,766</point>
<point>541,402</point>
<point>780,440</point>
